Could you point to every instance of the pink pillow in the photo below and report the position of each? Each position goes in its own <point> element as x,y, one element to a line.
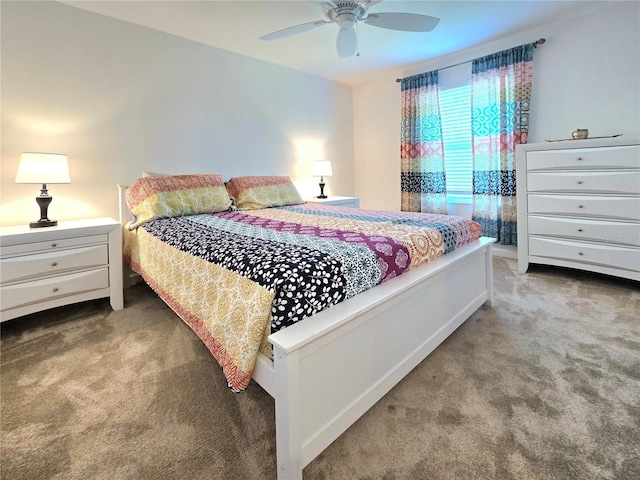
<point>150,198</point>
<point>251,193</point>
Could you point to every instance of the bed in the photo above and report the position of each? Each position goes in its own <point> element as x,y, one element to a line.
<point>337,356</point>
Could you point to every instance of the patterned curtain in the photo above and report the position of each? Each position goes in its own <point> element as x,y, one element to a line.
<point>500,99</point>
<point>421,148</point>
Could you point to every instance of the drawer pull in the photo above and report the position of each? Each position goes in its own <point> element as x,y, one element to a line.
<point>580,206</point>
<point>53,245</point>
<point>55,289</point>
<point>580,253</point>
<point>579,182</point>
<point>580,230</point>
<point>579,158</point>
<point>54,264</point>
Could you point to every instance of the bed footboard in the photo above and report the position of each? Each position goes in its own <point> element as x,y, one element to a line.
<point>330,370</point>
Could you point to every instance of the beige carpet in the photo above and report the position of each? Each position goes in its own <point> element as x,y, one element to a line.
<point>546,385</point>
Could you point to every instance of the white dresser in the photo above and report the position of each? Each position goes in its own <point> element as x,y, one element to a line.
<point>74,261</point>
<point>579,205</point>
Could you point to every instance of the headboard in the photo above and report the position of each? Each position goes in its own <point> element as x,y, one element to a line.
<point>130,277</point>
<point>125,215</point>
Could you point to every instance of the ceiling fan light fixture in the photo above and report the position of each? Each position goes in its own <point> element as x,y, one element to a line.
<point>347,42</point>
<point>346,20</point>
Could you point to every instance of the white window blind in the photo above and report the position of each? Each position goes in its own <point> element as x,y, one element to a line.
<point>455,112</point>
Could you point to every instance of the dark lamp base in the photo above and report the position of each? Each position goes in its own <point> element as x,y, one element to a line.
<point>43,223</point>
<point>322,195</point>
<point>43,200</point>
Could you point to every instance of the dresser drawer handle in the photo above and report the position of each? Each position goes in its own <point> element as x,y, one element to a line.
<point>53,245</point>
<point>580,206</point>
<point>580,230</point>
<point>579,158</point>
<point>579,182</point>
<point>54,264</point>
<point>580,253</point>
<point>55,289</point>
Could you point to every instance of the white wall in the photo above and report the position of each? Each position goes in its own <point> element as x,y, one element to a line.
<point>118,98</point>
<point>586,75</point>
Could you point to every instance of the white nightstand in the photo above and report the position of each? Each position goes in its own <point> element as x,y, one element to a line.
<point>353,202</point>
<point>42,268</point>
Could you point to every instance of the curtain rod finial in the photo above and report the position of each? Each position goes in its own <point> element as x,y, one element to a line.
<point>539,42</point>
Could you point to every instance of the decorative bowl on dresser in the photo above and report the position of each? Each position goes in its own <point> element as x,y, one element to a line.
<point>49,267</point>
<point>579,205</point>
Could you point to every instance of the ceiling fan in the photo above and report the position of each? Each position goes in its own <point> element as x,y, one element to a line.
<point>347,14</point>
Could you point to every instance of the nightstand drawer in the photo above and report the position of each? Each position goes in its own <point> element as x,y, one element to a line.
<point>14,296</point>
<point>53,245</point>
<point>52,263</point>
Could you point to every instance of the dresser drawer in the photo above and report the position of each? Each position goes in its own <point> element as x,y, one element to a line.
<point>604,231</point>
<point>617,182</point>
<point>624,208</point>
<point>27,267</point>
<point>603,157</point>
<point>18,295</point>
<point>626,258</point>
<point>52,245</point>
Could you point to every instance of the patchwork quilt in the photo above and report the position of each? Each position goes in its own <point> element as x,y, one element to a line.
<point>235,277</point>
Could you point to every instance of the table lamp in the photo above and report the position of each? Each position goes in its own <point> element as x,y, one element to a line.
<point>321,168</point>
<point>43,168</point>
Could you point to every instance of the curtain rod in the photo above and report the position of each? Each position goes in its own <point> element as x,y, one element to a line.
<point>535,44</point>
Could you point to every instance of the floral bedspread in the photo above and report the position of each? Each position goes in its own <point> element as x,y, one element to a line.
<point>235,277</point>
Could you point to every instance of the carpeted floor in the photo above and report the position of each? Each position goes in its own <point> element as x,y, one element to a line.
<point>546,385</point>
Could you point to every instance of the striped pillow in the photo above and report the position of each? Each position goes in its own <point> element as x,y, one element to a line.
<point>252,193</point>
<point>150,198</point>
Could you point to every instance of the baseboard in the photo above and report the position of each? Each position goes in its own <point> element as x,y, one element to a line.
<point>507,251</point>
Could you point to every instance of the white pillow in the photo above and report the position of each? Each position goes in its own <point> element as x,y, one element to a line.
<point>147,173</point>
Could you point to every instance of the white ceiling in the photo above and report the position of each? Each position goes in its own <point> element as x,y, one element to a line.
<point>236,25</point>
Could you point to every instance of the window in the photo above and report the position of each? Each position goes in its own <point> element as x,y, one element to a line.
<point>455,112</point>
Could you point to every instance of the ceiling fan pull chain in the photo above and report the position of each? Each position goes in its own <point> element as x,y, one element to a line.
<point>357,40</point>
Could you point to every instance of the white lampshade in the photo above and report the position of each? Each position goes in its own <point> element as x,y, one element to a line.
<point>321,168</point>
<point>43,168</point>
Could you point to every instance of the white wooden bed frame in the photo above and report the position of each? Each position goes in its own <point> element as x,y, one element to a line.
<point>327,372</point>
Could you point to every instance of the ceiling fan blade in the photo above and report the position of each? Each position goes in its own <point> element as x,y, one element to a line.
<point>408,22</point>
<point>285,32</point>
<point>347,42</point>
